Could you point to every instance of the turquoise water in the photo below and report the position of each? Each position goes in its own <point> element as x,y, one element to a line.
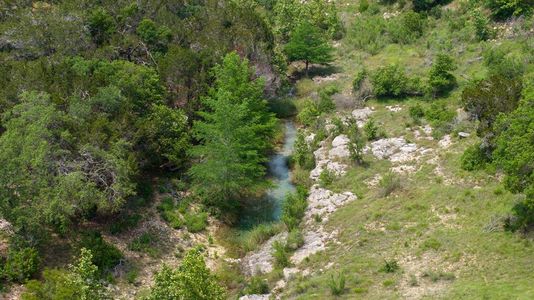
<point>269,208</point>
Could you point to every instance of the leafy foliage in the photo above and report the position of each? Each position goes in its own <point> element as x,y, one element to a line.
<point>503,9</point>
<point>294,208</point>
<point>79,281</point>
<point>308,44</point>
<point>389,81</point>
<point>235,135</point>
<point>192,280</point>
<point>21,264</point>
<point>440,78</point>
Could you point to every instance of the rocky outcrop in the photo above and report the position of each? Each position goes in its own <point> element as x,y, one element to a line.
<point>396,150</point>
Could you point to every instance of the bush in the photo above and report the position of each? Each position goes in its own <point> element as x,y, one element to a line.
<point>256,286</point>
<point>416,113</point>
<point>389,183</point>
<point>523,215</point>
<point>337,284</point>
<point>390,266</point>
<point>258,235</point>
<point>146,243</point>
<point>440,117</point>
<point>281,255</point>
<point>21,264</point>
<point>474,158</point>
<point>105,256</point>
<point>502,60</point>
<point>302,153</point>
<point>196,222</point>
<point>483,31</point>
<point>294,208</point>
<point>326,177</point>
<point>124,223</point>
<point>368,33</point>
<point>407,28</point>
<point>389,81</point>
<point>440,78</point>
<point>426,5</point>
<point>308,113</point>
<point>358,80</point>
<point>295,240</point>
<point>326,104</point>
<point>504,9</point>
<point>371,130</point>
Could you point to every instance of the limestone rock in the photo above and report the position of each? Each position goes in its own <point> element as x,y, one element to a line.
<point>261,261</point>
<point>445,142</point>
<point>255,297</point>
<point>464,134</point>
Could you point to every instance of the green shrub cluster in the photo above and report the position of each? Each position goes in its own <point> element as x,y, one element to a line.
<point>21,264</point>
<point>104,255</point>
<point>294,208</point>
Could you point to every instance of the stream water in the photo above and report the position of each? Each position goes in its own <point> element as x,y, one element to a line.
<point>269,208</point>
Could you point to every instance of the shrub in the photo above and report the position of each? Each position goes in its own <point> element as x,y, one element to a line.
<point>483,31</point>
<point>295,239</point>
<point>294,208</point>
<point>504,9</point>
<point>196,222</point>
<point>368,32</point>
<point>390,266</point>
<point>440,117</point>
<point>21,264</point>
<point>474,158</point>
<point>426,5</point>
<point>407,28</point>
<point>326,177</point>
<point>104,255</point>
<point>358,79</point>
<point>145,243</point>
<point>440,78</point>
<point>302,153</point>
<point>101,25</point>
<point>389,81</point>
<point>357,142</point>
<point>502,60</point>
<point>337,284</point>
<point>371,130</point>
<point>258,235</point>
<point>308,113</point>
<point>280,254</point>
<point>256,286</point>
<point>416,113</point>
<point>124,223</point>
<point>326,104</point>
<point>389,183</point>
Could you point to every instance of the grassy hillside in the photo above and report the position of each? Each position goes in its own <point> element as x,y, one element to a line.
<point>438,233</point>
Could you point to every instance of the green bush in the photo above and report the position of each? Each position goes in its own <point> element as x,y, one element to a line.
<point>390,266</point>
<point>389,183</point>
<point>407,28</point>
<point>358,79</point>
<point>21,264</point>
<point>256,286</point>
<point>502,60</point>
<point>196,222</point>
<point>105,256</point>
<point>440,117</point>
<point>390,81</point>
<point>302,153</point>
<point>101,25</point>
<point>326,104</point>
<point>295,239</point>
<point>504,9</point>
<point>326,177</point>
<point>483,31</point>
<point>440,78</point>
<point>474,158</point>
<point>337,284</point>
<point>369,32</point>
<point>363,6</point>
<point>124,223</point>
<point>281,255</point>
<point>371,130</point>
<point>144,243</point>
<point>416,113</point>
<point>294,208</point>
<point>426,5</point>
<point>308,113</point>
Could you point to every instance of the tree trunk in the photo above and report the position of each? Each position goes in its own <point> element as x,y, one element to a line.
<point>307,63</point>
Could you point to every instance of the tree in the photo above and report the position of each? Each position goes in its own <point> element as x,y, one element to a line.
<point>390,81</point>
<point>164,134</point>
<point>514,153</point>
<point>504,9</point>
<point>192,280</point>
<point>235,133</point>
<point>101,25</point>
<point>485,99</point>
<point>307,43</point>
<point>440,78</point>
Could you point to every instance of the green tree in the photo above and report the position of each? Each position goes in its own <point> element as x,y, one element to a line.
<point>156,37</point>
<point>164,133</point>
<point>514,153</point>
<point>389,81</point>
<point>192,280</point>
<point>101,25</point>
<point>235,134</point>
<point>308,44</point>
<point>503,9</point>
<point>440,78</point>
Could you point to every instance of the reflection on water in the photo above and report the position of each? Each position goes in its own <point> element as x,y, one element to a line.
<point>269,208</point>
